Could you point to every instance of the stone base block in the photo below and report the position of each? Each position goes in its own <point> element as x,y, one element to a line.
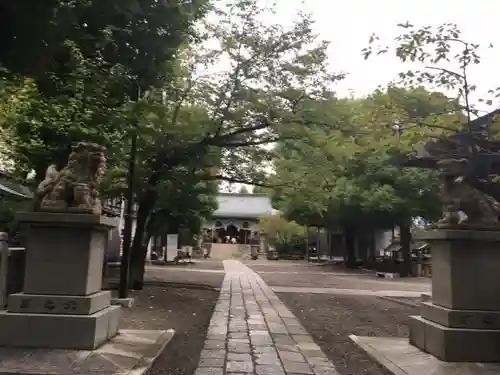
<point>452,318</point>
<point>464,263</point>
<point>455,344</point>
<point>65,252</point>
<point>400,358</point>
<point>56,304</point>
<point>130,352</point>
<point>81,332</point>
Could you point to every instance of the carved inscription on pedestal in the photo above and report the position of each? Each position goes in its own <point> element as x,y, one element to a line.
<point>64,305</point>
<point>54,304</point>
<point>25,303</point>
<point>466,320</point>
<point>49,305</point>
<point>478,320</point>
<point>70,306</point>
<point>489,321</point>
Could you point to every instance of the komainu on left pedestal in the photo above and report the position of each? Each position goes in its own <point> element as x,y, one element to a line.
<point>74,188</point>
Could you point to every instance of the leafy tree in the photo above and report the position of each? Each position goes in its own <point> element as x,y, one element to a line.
<point>284,235</point>
<point>444,58</point>
<point>220,119</point>
<point>133,38</point>
<point>43,128</point>
<point>353,177</point>
<point>185,201</point>
<point>86,59</point>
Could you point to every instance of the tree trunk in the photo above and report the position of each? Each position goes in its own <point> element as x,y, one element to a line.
<point>317,240</point>
<point>146,205</point>
<point>350,247</point>
<point>138,253</point>
<point>373,249</point>
<point>363,245</point>
<point>139,249</point>
<point>329,241</point>
<point>405,238</point>
<point>307,244</point>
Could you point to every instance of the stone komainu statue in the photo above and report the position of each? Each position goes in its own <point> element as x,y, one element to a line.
<point>74,188</point>
<point>464,203</point>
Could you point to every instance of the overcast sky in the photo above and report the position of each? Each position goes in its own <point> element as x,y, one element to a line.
<point>348,25</point>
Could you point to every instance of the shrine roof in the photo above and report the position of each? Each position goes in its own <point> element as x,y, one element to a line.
<point>243,205</point>
<point>13,189</point>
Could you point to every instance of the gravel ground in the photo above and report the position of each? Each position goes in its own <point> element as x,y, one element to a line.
<point>301,274</point>
<point>281,266</point>
<point>331,319</point>
<point>211,264</point>
<point>188,311</point>
<point>301,266</point>
<point>177,274</point>
<point>180,275</point>
<point>311,280</point>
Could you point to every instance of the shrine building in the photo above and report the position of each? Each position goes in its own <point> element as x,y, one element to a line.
<point>238,217</point>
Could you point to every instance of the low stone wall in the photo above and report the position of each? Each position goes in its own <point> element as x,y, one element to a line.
<point>225,251</point>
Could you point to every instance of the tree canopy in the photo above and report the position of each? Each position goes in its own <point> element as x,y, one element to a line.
<point>354,175</point>
<point>78,62</point>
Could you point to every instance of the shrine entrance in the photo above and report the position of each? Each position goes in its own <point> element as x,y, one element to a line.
<point>232,231</point>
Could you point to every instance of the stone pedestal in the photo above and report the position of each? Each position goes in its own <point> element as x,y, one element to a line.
<point>62,305</point>
<point>462,323</point>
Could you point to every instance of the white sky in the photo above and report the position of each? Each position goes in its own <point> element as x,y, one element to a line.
<point>348,25</point>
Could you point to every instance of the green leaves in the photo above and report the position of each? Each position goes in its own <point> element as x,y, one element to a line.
<point>86,59</point>
<point>351,172</point>
<point>442,55</point>
<point>281,232</point>
<point>247,87</point>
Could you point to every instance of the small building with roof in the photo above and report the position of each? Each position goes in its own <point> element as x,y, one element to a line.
<point>238,217</point>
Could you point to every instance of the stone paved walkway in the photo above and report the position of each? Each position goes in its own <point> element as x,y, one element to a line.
<point>253,332</point>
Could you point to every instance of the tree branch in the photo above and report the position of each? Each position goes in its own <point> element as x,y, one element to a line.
<point>255,143</point>
<point>431,126</point>
<point>443,70</point>
<point>241,181</point>
<point>180,102</point>
<point>221,139</point>
<point>229,103</point>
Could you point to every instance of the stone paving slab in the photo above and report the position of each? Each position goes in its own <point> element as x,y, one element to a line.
<point>131,352</point>
<point>401,358</point>
<point>253,332</point>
